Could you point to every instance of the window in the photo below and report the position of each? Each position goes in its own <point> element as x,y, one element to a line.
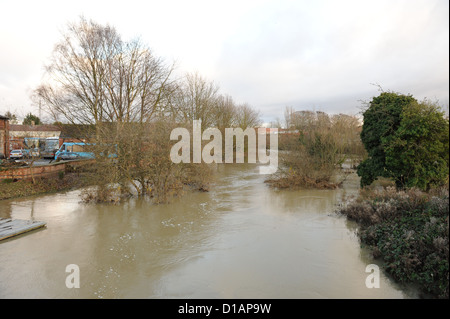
<point>78,148</point>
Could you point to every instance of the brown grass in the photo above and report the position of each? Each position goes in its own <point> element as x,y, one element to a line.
<point>20,188</point>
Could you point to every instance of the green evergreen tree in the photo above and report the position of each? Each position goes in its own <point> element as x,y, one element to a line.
<point>30,118</point>
<point>417,155</point>
<point>405,140</point>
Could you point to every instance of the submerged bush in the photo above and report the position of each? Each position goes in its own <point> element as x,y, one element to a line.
<point>141,166</point>
<point>409,231</point>
<point>323,143</point>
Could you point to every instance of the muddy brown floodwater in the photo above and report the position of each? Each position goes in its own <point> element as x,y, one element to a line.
<point>240,240</point>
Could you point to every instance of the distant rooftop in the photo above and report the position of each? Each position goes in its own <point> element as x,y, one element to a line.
<point>38,128</point>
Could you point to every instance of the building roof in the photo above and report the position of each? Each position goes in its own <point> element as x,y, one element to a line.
<point>34,128</point>
<point>76,130</point>
<point>4,117</point>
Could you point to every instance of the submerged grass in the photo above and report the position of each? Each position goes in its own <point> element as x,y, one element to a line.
<point>12,188</point>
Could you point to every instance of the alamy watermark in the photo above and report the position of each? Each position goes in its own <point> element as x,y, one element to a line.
<point>212,152</point>
<point>373,280</point>
<point>73,279</point>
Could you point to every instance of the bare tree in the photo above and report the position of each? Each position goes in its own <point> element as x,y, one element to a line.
<point>247,116</point>
<point>96,77</point>
<point>288,116</point>
<point>196,99</point>
<point>124,100</point>
<point>76,74</point>
<point>225,113</point>
<point>113,90</point>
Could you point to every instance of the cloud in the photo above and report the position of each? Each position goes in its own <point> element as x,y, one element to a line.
<point>322,54</point>
<point>325,55</point>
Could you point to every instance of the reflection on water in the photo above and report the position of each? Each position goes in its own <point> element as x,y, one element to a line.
<point>240,240</point>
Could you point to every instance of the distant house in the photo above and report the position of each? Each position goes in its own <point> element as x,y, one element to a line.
<point>4,136</point>
<point>41,131</point>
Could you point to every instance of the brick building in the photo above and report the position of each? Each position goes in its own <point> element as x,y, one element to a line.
<point>4,136</point>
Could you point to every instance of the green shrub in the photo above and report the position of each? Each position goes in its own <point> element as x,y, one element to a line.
<point>406,140</point>
<point>409,231</point>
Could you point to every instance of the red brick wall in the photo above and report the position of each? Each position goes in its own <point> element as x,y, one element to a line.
<point>4,137</point>
<point>26,172</point>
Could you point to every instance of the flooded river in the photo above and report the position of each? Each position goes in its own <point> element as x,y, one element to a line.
<point>240,240</point>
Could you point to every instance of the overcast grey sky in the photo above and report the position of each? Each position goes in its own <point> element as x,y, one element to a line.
<point>322,54</point>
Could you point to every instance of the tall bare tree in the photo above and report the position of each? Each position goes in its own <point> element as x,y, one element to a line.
<point>196,99</point>
<point>225,113</point>
<point>113,90</point>
<point>288,117</point>
<point>95,77</point>
<point>247,116</point>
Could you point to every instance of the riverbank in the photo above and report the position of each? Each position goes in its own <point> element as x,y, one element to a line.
<point>13,188</point>
<point>409,232</point>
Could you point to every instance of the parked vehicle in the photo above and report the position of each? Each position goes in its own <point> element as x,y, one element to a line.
<point>67,156</point>
<point>51,146</point>
<point>80,150</point>
<point>34,152</point>
<point>17,154</point>
<point>49,153</point>
<point>73,151</point>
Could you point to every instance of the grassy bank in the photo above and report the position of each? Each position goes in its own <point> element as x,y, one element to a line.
<point>408,231</point>
<point>20,188</point>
